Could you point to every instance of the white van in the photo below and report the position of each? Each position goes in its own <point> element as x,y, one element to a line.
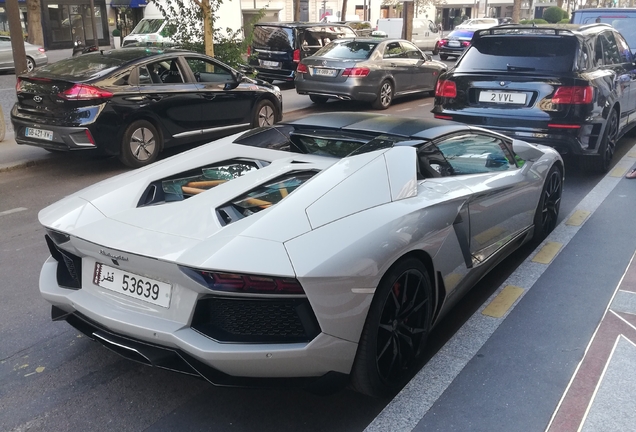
<point>425,33</point>
<point>149,31</point>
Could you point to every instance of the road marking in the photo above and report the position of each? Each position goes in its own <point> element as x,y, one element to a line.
<point>577,218</point>
<point>426,104</point>
<point>15,210</point>
<point>619,171</point>
<point>403,109</point>
<point>547,253</point>
<point>504,300</point>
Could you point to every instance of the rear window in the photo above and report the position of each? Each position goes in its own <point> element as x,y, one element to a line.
<point>273,38</point>
<point>520,53</point>
<point>348,50</point>
<point>461,34</point>
<point>84,67</point>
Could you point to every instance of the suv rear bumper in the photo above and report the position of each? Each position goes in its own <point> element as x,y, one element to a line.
<point>275,74</point>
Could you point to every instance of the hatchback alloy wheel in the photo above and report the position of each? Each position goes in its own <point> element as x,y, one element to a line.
<point>265,114</point>
<point>142,144</point>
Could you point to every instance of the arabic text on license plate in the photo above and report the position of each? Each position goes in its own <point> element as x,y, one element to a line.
<point>502,97</point>
<point>325,72</point>
<point>39,133</point>
<point>269,63</point>
<point>132,285</point>
<point>453,43</point>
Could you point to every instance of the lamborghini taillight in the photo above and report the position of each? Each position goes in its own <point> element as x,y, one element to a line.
<point>244,283</point>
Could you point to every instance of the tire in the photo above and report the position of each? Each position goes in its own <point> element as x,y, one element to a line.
<point>140,145</point>
<point>435,51</point>
<point>547,212</point>
<point>443,57</point>
<point>318,99</point>
<point>390,349</point>
<point>30,63</point>
<point>601,162</point>
<point>264,114</point>
<point>385,96</point>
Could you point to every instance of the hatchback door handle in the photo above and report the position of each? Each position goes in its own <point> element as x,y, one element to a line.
<point>208,96</point>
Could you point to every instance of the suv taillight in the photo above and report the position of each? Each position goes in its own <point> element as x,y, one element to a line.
<point>302,68</point>
<point>297,55</point>
<point>573,95</point>
<point>445,88</point>
<point>85,92</point>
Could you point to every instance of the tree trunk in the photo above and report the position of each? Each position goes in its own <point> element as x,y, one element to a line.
<point>343,13</point>
<point>208,31</point>
<point>516,11</point>
<point>296,10</point>
<point>34,21</point>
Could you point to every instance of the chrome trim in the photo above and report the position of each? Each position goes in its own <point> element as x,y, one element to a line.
<point>188,133</point>
<point>483,255</point>
<point>204,131</point>
<point>270,52</point>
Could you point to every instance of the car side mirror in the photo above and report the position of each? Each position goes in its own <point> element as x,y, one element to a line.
<point>230,85</point>
<point>526,151</point>
<point>428,57</point>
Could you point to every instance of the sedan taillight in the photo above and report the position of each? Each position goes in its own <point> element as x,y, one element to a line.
<point>85,92</point>
<point>243,283</point>
<point>442,42</point>
<point>465,43</point>
<point>42,50</point>
<point>573,95</point>
<point>446,88</point>
<point>302,68</point>
<point>356,72</point>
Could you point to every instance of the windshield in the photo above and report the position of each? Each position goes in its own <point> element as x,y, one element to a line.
<point>146,26</point>
<point>555,54</point>
<point>348,50</point>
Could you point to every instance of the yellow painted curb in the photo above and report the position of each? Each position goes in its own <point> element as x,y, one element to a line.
<point>577,218</point>
<point>504,300</point>
<point>547,253</point>
<point>618,171</point>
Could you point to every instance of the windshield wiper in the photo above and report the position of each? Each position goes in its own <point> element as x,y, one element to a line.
<point>519,68</point>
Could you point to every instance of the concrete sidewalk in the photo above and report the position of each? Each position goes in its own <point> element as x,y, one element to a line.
<point>13,155</point>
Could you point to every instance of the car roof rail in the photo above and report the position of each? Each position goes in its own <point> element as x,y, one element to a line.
<point>520,29</point>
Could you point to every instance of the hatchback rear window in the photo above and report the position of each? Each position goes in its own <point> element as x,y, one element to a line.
<point>520,53</point>
<point>273,38</point>
<point>82,68</point>
<point>348,50</point>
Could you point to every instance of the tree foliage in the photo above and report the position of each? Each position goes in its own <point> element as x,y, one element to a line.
<point>553,14</point>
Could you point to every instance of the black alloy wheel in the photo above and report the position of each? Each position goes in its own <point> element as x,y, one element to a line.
<point>547,213</point>
<point>385,96</point>
<point>395,331</point>
<point>141,144</point>
<point>602,161</point>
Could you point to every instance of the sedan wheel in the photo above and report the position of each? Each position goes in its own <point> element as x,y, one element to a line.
<point>385,96</point>
<point>545,217</point>
<point>395,331</point>
<point>141,144</point>
<point>30,63</point>
<point>265,114</point>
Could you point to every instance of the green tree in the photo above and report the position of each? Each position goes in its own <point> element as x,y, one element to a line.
<point>553,14</point>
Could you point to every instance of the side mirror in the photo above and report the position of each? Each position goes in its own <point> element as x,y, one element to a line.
<point>526,151</point>
<point>230,85</point>
<point>428,57</point>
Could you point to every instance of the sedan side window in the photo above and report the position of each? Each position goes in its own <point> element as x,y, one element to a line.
<point>160,72</point>
<point>475,154</point>
<point>410,51</point>
<point>206,70</point>
<point>394,50</point>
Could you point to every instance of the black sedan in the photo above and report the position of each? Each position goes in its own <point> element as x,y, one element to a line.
<point>455,43</point>
<point>367,69</point>
<point>135,102</point>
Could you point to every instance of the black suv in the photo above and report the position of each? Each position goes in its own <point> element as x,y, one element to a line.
<point>278,47</point>
<point>566,86</point>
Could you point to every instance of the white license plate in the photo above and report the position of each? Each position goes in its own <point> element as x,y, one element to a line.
<point>325,72</point>
<point>453,43</point>
<point>269,63</point>
<point>502,97</point>
<point>39,133</point>
<point>132,285</point>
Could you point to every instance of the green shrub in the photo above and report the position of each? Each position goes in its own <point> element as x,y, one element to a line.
<point>534,21</point>
<point>553,14</point>
<point>565,21</point>
<point>566,16</point>
<point>116,32</point>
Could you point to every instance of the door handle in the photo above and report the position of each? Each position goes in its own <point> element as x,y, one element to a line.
<point>154,97</point>
<point>208,96</point>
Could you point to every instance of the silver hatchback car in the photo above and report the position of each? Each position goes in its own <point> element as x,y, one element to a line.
<point>36,55</point>
<point>367,69</point>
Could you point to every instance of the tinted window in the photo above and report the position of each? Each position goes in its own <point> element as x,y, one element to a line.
<point>316,37</point>
<point>475,153</point>
<point>348,50</point>
<point>612,56</point>
<point>208,71</point>
<point>523,53</point>
<point>84,67</point>
<point>624,22</point>
<point>273,38</point>
<point>394,50</point>
<point>148,26</point>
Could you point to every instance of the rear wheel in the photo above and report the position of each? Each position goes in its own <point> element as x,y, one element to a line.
<point>602,161</point>
<point>30,63</point>
<point>385,96</point>
<point>545,217</point>
<point>264,114</point>
<point>395,332</point>
<point>318,99</point>
<point>141,144</point>
<point>443,57</point>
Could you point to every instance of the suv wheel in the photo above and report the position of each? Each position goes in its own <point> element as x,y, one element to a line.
<point>602,161</point>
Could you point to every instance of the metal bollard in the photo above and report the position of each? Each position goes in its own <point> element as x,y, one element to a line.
<point>3,126</point>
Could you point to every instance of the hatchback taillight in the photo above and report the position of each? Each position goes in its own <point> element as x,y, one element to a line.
<point>573,95</point>
<point>85,92</point>
<point>446,88</point>
<point>302,68</point>
<point>297,55</point>
<point>355,72</point>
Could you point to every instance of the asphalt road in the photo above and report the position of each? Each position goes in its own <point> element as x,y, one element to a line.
<point>51,379</point>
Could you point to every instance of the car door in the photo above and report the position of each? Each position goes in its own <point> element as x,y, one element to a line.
<point>421,71</point>
<point>503,201</point>
<point>172,98</point>
<point>225,103</point>
<point>395,62</point>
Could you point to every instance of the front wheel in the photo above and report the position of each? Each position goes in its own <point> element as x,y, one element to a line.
<point>30,63</point>
<point>264,114</point>
<point>385,96</point>
<point>141,144</point>
<point>395,332</point>
<point>547,212</point>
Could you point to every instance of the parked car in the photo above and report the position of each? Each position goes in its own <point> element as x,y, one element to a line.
<point>425,33</point>
<point>478,23</point>
<point>362,28</point>
<point>622,19</point>
<point>570,87</point>
<point>455,43</point>
<point>278,47</point>
<point>322,250</point>
<point>371,70</point>
<point>35,55</point>
<point>150,31</point>
<point>135,102</point>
